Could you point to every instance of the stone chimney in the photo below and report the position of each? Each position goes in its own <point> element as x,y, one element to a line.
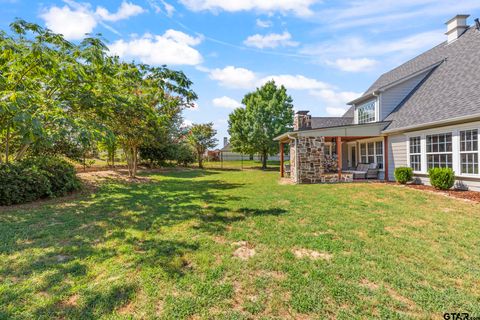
<point>456,27</point>
<point>225,141</point>
<point>302,121</point>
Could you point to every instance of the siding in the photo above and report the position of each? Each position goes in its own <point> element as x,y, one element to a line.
<point>392,97</point>
<point>397,153</point>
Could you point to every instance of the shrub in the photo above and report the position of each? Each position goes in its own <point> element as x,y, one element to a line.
<point>36,178</point>
<point>184,154</point>
<point>19,184</point>
<point>60,173</point>
<point>442,178</point>
<point>403,174</point>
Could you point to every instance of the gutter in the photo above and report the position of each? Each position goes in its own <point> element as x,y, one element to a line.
<point>428,125</point>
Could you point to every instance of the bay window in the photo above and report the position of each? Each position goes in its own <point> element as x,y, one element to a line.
<point>372,152</point>
<point>415,154</point>
<point>469,151</point>
<point>366,112</point>
<point>439,150</point>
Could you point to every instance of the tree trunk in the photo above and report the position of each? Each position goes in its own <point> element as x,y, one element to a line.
<point>135,158</point>
<point>7,146</point>
<point>264,160</point>
<point>200,161</point>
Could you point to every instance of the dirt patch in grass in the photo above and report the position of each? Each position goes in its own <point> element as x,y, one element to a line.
<point>96,177</point>
<point>368,284</point>
<point>312,254</point>
<point>244,251</point>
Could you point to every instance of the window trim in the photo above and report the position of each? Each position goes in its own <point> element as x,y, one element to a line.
<point>374,141</point>
<point>460,153</point>
<point>375,111</point>
<point>440,152</point>
<point>409,153</point>
<point>456,153</point>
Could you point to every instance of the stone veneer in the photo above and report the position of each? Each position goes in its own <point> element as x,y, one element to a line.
<point>308,158</point>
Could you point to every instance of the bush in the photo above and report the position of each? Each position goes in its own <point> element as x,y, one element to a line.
<point>184,154</point>
<point>403,174</point>
<point>36,178</point>
<point>442,178</point>
<point>60,173</point>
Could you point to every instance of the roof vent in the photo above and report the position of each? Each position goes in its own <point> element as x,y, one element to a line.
<point>477,23</point>
<point>456,27</point>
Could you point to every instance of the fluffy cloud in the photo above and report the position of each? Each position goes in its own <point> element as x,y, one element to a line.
<point>73,23</point>
<point>353,65</point>
<point>226,102</point>
<point>271,40</point>
<point>295,82</point>
<point>125,11</point>
<point>357,54</point>
<point>173,48</point>
<point>233,77</point>
<point>298,7</point>
<point>333,100</point>
<point>264,23</point>
<point>162,6</point>
<point>74,20</point>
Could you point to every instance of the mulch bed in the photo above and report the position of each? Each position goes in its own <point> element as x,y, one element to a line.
<point>461,194</point>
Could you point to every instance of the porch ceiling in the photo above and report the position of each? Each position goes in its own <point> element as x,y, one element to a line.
<point>351,131</point>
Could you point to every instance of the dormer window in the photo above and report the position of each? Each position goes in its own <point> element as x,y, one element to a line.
<point>366,112</point>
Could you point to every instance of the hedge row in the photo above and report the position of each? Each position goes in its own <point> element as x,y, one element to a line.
<point>36,178</point>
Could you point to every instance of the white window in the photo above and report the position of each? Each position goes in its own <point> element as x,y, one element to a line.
<point>366,112</point>
<point>415,154</point>
<point>372,152</point>
<point>439,150</point>
<point>469,151</point>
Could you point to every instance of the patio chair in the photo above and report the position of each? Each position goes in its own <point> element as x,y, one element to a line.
<point>365,171</point>
<point>372,171</point>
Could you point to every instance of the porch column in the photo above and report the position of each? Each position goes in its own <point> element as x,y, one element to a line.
<point>282,170</point>
<point>339,156</point>
<point>385,156</point>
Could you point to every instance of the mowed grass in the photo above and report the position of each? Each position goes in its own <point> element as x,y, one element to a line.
<point>165,249</point>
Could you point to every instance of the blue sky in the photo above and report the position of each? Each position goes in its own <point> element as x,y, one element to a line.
<point>325,52</point>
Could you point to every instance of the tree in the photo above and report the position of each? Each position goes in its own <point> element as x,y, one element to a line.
<point>201,137</point>
<point>268,113</point>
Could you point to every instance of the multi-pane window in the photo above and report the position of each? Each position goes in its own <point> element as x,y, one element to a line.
<point>366,112</point>
<point>439,150</point>
<point>469,151</point>
<point>372,152</point>
<point>415,153</point>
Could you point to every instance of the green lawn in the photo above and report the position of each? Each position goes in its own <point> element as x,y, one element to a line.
<point>165,249</point>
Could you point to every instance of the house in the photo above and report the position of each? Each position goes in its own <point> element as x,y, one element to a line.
<point>228,154</point>
<point>424,113</point>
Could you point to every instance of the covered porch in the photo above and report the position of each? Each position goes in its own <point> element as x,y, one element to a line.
<point>335,154</point>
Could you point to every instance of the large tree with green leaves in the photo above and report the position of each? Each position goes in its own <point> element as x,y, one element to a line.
<point>268,113</point>
<point>202,137</point>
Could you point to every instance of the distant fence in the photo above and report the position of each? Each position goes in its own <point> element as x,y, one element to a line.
<point>236,161</point>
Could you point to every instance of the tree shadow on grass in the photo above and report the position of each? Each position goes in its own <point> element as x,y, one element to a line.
<point>124,223</point>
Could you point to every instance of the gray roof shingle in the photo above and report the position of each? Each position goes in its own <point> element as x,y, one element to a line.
<point>451,90</point>
<point>325,122</point>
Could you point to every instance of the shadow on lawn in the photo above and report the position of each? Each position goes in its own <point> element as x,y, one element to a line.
<point>123,221</point>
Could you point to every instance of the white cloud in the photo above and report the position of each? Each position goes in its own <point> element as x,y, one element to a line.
<point>295,82</point>
<point>353,65</point>
<point>73,23</point>
<point>271,40</point>
<point>264,23</point>
<point>187,123</point>
<point>125,11</point>
<point>226,102</point>
<point>335,101</point>
<point>298,7</point>
<point>173,48</point>
<point>163,6</point>
<point>234,77</point>
<point>74,20</point>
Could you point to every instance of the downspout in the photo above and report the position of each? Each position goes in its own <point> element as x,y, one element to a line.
<point>296,156</point>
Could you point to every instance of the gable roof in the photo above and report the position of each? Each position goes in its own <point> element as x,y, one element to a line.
<point>450,90</point>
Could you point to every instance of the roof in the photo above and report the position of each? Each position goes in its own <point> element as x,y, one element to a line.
<point>323,122</point>
<point>450,90</point>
